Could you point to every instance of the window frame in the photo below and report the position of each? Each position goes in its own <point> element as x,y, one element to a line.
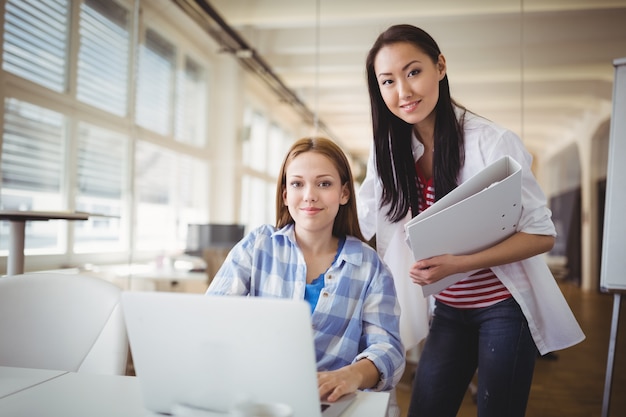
<point>67,103</point>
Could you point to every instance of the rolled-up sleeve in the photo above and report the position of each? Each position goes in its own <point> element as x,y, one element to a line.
<point>367,201</point>
<point>381,334</point>
<point>536,217</point>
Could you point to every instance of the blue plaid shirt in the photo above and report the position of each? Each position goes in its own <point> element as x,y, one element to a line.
<point>357,315</point>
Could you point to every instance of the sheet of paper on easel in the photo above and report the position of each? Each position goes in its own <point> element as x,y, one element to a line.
<point>479,213</point>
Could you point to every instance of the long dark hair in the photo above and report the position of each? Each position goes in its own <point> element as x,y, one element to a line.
<point>392,135</point>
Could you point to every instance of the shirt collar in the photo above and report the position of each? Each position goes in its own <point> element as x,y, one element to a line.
<point>352,251</point>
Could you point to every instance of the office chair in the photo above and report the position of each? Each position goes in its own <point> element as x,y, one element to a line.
<point>62,321</point>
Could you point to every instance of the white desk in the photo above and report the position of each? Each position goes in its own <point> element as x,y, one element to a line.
<point>18,219</point>
<point>13,380</point>
<point>77,395</point>
<point>81,394</point>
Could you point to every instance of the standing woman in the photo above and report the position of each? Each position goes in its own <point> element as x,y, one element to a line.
<point>496,319</point>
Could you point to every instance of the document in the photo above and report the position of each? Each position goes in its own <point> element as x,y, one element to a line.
<point>482,211</point>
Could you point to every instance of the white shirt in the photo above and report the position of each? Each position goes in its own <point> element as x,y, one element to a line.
<point>531,283</point>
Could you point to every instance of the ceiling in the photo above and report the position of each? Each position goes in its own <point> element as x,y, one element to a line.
<point>539,67</point>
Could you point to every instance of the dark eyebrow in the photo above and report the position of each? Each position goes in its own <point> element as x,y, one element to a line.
<point>317,177</point>
<point>403,68</point>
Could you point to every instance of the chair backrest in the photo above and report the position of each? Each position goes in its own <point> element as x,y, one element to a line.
<point>59,321</point>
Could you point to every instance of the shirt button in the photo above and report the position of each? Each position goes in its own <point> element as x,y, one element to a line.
<point>325,294</point>
<point>330,277</point>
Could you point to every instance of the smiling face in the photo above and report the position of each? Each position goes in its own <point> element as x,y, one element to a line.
<point>313,192</point>
<point>409,81</point>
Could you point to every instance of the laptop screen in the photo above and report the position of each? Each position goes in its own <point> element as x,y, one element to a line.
<point>213,352</point>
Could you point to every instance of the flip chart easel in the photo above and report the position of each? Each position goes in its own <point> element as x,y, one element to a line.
<point>608,380</point>
<point>613,276</point>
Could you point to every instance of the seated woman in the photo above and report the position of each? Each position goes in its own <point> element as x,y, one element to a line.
<point>316,252</point>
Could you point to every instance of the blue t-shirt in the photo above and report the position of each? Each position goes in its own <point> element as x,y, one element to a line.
<point>312,290</point>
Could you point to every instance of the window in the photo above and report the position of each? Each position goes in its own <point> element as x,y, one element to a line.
<point>33,162</point>
<point>190,106</point>
<point>169,191</point>
<point>264,147</point>
<point>258,201</point>
<point>255,144</point>
<point>36,41</point>
<point>70,138</point>
<point>100,189</point>
<point>277,147</point>
<point>155,83</point>
<point>103,56</point>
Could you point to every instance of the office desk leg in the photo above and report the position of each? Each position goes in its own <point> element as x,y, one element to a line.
<point>15,261</point>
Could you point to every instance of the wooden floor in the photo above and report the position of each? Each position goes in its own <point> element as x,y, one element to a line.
<point>573,384</point>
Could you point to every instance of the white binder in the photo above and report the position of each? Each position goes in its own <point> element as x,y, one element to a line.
<point>479,213</point>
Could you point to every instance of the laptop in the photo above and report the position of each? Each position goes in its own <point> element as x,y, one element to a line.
<point>213,352</point>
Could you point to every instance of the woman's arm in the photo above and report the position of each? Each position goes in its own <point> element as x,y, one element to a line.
<point>535,228</point>
<point>516,248</point>
<point>379,358</point>
<point>361,374</point>
<point>235,274</point>
<point>367,202</point>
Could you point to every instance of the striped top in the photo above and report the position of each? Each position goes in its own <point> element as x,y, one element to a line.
<point>482,288</point>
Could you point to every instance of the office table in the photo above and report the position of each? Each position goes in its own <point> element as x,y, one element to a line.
<point>18,219</point>
<point>13,380</point>
<point>71,394</point>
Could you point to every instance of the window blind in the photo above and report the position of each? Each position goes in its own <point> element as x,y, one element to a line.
<point>190,106</point>
<point>155,83</point>
<point>56,153</point>
<point>32,148</point>
<point>103,56</point>
<point>154,167</point>
<point>36,41</point>
<point>101,174</point>
<point>33,161</point>
<point>101,162</point>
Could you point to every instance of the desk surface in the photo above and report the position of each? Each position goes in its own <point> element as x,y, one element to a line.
<point>18,219</point>
<point>70,394</point>
<point>13,380</point>
<point>42,215</point>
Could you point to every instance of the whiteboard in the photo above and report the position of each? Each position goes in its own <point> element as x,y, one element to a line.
<point>613,275</point>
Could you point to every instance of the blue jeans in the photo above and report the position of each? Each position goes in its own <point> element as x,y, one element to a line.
<point>496,341</point>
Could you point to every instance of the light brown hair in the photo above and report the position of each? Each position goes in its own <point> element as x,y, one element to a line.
<point>346,222</point>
